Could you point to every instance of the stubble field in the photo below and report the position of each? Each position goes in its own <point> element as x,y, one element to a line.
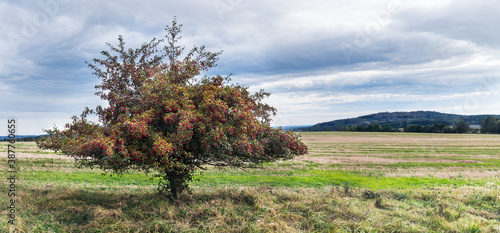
<point>349,182</point>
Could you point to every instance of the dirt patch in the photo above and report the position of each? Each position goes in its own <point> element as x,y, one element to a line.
<point>401,138</point>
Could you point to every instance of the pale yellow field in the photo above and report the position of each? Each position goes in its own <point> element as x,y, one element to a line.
<point>440,155</point>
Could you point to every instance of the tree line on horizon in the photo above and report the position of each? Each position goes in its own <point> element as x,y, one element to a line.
<point>489,125</point>
<point>23,138</point>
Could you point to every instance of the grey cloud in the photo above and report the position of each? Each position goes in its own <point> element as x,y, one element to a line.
<point>419,53</point>
<point>463,20</point>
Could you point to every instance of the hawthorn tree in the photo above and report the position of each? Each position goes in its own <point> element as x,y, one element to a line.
<point>164,117</point>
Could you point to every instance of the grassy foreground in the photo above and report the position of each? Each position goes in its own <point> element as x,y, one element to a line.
<point>349,182</point>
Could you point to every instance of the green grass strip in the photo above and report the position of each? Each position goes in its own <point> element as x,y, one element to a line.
<point>321,178</point>
<point>302,178</point>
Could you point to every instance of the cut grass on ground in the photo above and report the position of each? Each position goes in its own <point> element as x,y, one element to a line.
<point>350,182</point>
<point>258,209</point>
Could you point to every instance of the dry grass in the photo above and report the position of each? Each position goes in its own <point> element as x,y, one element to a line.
<point>259,209</point>
<point>22,155</point>
<point>399,138</point>
<point>447,155</point>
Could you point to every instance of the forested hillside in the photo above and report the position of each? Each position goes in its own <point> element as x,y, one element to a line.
<point>396,121</point>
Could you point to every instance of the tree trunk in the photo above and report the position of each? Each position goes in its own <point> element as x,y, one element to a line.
<point>175,184</point>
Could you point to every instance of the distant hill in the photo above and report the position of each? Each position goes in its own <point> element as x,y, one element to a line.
<point>398,120</point>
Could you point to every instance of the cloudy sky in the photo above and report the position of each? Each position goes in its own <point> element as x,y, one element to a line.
<point>321,59</point>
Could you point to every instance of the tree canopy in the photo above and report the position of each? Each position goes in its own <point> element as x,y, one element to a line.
<point>488,125</point>
<point>462,127</point>
<point>164,117</point>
